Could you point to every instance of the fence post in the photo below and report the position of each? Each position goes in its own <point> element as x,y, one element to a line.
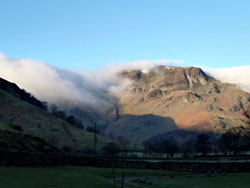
<point>122,180</point>
<point>114,177</point>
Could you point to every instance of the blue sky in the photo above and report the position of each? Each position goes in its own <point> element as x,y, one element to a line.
<point>89,34</point>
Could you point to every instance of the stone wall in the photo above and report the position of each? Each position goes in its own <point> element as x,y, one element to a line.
<point>28,159</point>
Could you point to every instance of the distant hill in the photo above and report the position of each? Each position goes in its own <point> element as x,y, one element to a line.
<point>26,126</point>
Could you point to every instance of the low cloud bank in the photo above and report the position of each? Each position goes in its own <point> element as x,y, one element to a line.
<point>70,87</point>
<point>54,85</point>
<point>76,87</point>
<point>236,75</point>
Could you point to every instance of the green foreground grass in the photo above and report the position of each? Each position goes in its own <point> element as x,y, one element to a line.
<point>89,177</point>
<point>62,177</point>
<point>239,180</point>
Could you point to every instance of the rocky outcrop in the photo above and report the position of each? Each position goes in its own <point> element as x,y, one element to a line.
<point>194,100</point>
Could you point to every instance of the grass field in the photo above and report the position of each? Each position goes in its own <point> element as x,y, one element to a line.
<point>61,177</point>
<point>89,177</point>
<point>66,176</point>
<point>58,177</point>
<point>239,180</point>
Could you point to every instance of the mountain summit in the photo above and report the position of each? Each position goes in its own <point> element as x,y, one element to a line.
<point>176,98</point>
<point>169,77</point>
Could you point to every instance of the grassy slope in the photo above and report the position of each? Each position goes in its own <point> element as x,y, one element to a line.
<point>89,177</point>
<point>36,122</point>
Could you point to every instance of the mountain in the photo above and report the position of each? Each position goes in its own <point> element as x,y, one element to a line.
<point>167,99</point>
<point>25,125</point>
<point>163,101</point>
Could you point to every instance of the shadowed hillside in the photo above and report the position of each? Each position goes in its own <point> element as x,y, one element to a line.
<point>139,128</point>
<point>15,91</point>
<point>22,123</point>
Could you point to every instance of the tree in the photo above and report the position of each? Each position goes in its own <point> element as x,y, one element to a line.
<point>235,140</point>
<point>124,143</point>
<point>148,148</point>
<point>169,146</point>
<point>62,115</point>
<point>188,148</point>
<point>203,144</point>
<point>53,108</point>
<point>111,149</point>
<point>72,120</point>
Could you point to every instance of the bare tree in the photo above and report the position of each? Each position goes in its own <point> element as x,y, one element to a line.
<point>124,144</point>
<point>188,148</point>
<point>235,140</point>
<point>168,146</point>
<point>203,144</point>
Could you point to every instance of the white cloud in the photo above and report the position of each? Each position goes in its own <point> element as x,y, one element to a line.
<point>144,65</point>
<point>236,75</point>
<point>75,87</point>
<point>71,87</point>
<point>51,84</point>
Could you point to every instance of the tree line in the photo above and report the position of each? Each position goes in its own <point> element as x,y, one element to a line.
<point>235,141</point>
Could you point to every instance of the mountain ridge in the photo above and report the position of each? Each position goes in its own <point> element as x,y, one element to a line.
<point>193,99</point>
<point>158,101</point>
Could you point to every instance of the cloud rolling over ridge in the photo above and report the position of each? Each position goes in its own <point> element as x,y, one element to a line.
<point>74,87</point>
<point>236,75</point>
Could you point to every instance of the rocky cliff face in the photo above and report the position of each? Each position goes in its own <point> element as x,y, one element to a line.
<point>188,97</point>
<point>169,77</point>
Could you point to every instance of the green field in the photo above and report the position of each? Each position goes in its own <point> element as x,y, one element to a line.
<point>89,177</point>
<point>240,180</point>
<point>62,177</point>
